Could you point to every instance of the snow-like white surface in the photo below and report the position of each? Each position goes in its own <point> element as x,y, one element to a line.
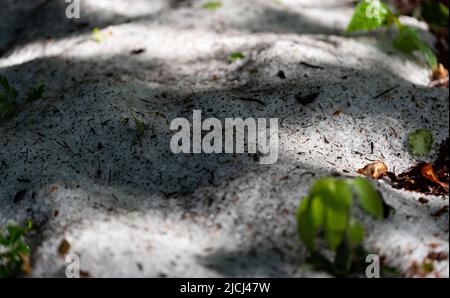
<point>133,208</point>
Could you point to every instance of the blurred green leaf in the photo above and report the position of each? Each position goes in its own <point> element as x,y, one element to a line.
<point>29,225</point>
<point>343,193</point>
<point>97,34</point>
<point>305,223</point>
<point>368,196</point>
<point>409,40</point>
<point>13,249</point>
<point>369,16</point>
<point>335,226</point>
<point>428,54</point>
<point>236,56</point>
<point>333,239</point>
<point>317,212</point>
<point>328,208</point>
<point>420,142</point>
<point>14,232</point>
<point>435,13</point>
<point>355,233</point>
<point>10,91</point>
<point>8,105</point>
<point>334,193</point>
<point>212,5</point>
<point>428,266</point>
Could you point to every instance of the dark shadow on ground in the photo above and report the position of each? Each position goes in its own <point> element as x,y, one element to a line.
<point>78,136</point>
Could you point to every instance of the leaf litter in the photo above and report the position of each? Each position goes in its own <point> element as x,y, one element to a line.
<point>426,178</point>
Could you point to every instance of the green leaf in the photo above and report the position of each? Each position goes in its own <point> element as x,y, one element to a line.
<point>8,108</point>
<point>428,266</point>
<point>3,240</point>
<point>124,121</point>
<point>12,248</point>
<point>369,197</point>
<point>29,225</point>
<point>335,226</point>
<point>141,127</point>
<point>336,220</point>
<point>305,223</point>
<point>22,248</point>
<point>317,210</point>
<point>343,193</point>
<point>369,16</point>
<point>236,56</point>
<point>10,91</point>
<point>212,5</point>
<point>335,194</point>
<point>35,94</point>
<point>97,34</point>
<point>355,233</point>
<point>420,142</point>
<point>428,54</point>
<point>435,13</point>
<point>409,40</point>
<point>333,239</point>
<point>14,232</point>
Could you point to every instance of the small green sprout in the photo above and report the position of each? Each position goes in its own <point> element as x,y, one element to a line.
<point>124,121</point>
<point>141,127</point>
<point>328,208</point>
<point>8,98</point>
<point>35,94</point>
<point>212,5</point>
<point>428,266</point>
<point>420,142</point>
<point>97,34</point>
<point>14,252</point>
<point>8,103</point>
<point>235,56</point>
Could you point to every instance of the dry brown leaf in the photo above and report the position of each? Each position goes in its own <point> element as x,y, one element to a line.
<point>440,72</point>
<point>428,173</point>
<point>337,113</point>
<point>374,170</point>
<point>440,76</point>
<point>26,266</point>
<point>108,32</point>
<point>64,247</point>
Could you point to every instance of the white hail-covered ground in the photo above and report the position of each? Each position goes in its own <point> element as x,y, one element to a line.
<point>133,208</point>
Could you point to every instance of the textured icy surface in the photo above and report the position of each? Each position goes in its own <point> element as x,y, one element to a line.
<point>131,207</point>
